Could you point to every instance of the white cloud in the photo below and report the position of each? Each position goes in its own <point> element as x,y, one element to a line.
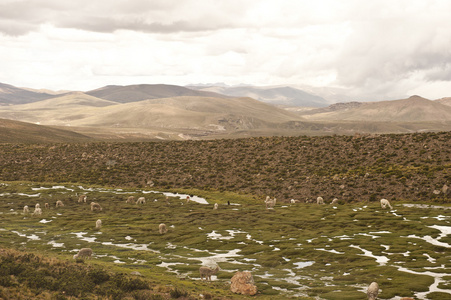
<point>375,49</point>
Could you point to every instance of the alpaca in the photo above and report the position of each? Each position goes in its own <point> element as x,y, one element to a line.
<point>270,202</point>
<point>98,224</point>
<point>385,202</point>
<point>84,252</point>
<point>46,206</point>
<point>293,201</point>
<point>162,228</point>
<point>37,212</point>
<point>334,201</point>
<point>37,205</point>
<point>130,199</point>
<point>319,200</point>
<point>82,198</point>
<point>215,206</point>
<point>207,272</point>
<point>141,200</point>
<point>95,206</point>
<point>59,203</point>
<point>372,291</point>
<point>26,210</point>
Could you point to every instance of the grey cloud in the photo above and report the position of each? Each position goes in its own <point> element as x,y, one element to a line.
<point>104,16</point>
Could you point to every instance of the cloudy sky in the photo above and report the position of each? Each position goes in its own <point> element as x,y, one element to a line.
<point>372,49</point>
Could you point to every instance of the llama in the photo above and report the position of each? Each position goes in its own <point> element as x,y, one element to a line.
<point>130,199</point>
<point>98,224</point>
<point>162,228</point>
<point>82,198</point>
<point>59,203</point>
<point>319,200</point>
<point>270,202</point>
<point>37,205</point>
<point>385,202</point>
<point>141,200</point>
<point>215,206</point>
<point>95,206</point>
<point>207,272</point>
<point>46,206</point>
<point>293,201</point>
<point>84,252</point>
<point>26,210</point>
<point>334,201</point>
<point>372,291</point>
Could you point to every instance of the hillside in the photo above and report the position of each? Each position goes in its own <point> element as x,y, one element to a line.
<point>11,95</point>
<point>132,93</point>
<point>200,115</point>
<point>353,169</point>
<point>413,109</point>
<point>21,132</point>
<point>281,96</point>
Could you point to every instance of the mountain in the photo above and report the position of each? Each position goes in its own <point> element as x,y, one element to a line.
<point>59,111</point>
<point>197,113</point>
<point>133,93</point>
<point>444,101</point>
<point>281,96</point>
<point>413,109</point>
<point>21,132</point>
<point>11,95</point>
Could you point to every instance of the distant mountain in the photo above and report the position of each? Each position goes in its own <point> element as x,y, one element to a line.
<point>21,132</point>
<point>282,96</point>
<point>413,109</point>
<point>198,113</point>
<point>133,93</point>
<point>11,95</point>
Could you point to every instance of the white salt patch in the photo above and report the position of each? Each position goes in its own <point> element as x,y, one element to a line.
<point>303,264</point>
<point>430,259</point>
<point>331,251</point>
<point>55,244</point>
<point>128,238</point>
<point>181,196</point>
<point>45,221</point>
<point>32,237</point>
<point>382,260</point>
<point>28,195</point>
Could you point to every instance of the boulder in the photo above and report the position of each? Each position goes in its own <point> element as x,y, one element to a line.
<point>243,283</point>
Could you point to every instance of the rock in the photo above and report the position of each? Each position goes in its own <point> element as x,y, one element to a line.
<point>136,273</point>
<point>243,283</point>
<point>436,192</point>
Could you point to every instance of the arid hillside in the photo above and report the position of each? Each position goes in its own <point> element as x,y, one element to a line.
<point>359,168</point>
<point>413,109</point>
<point>21,132</point>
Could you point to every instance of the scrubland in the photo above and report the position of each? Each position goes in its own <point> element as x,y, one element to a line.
<point>301,250</point>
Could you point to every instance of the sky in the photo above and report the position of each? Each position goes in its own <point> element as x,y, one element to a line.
<point>371,50</point>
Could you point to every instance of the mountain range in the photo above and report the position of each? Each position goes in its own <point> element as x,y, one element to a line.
<point>160,111</point>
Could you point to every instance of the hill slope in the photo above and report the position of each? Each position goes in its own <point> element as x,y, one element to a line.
<point>21,132</point>
<point>11,95</point>
<point>413,109</point>
<point>201,113</point>
<point>139,92</point>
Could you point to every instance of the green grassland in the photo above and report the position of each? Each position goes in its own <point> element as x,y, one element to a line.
<point>302,250</point>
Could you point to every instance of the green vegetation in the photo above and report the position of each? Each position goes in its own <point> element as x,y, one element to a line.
<point>301,250</point>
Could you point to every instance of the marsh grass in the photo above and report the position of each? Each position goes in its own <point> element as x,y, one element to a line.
<point>249,237</point>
